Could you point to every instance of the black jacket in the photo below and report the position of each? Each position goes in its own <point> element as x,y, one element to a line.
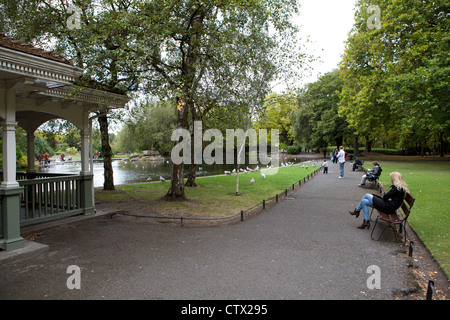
<point>384,205</point>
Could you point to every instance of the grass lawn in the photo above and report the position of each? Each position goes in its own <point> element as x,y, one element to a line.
<point>428,182</point>
<point>214,196</point>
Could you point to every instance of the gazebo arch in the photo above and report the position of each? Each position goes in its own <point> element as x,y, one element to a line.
<point>37,86</point>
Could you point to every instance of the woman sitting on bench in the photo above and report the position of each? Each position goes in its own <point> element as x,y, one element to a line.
<point>372,174</point>
<point>389,203</point>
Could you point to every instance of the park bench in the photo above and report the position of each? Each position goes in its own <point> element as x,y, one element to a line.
<point>396,219</point>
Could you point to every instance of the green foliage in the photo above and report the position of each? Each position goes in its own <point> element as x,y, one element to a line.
<point>317,123</point>
<point>148,126</point>
<point>396,77</point>
<point>275,115</point>
<point>41,146</point>
<point>205,53</point>
<point>294,149</point>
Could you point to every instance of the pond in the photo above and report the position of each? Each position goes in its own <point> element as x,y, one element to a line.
<point>142,170</point>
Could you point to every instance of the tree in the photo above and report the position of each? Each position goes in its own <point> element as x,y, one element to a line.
<point>276,112</point>
<point>99,45</point>
<point>415,41</point>
<point>183,50</point>
<point>202,51</point>
<point>148,126</point>
<point>396,75</point>
<point>363,76</point>
<point>316,121</point>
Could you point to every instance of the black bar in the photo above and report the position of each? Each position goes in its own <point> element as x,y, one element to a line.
<point>430,290</point>
<point>411,243</point>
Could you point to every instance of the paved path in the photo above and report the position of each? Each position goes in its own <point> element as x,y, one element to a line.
<point>304,248</point>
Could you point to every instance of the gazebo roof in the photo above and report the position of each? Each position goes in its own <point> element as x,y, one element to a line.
<point>45,83</point>
<point>14,44</point>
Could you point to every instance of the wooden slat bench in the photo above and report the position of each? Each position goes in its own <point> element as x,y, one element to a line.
<point>396,219</point>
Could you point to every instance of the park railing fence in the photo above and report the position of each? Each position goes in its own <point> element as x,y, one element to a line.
<point>48,196</point>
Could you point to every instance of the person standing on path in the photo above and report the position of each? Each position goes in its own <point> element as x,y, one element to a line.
<point>335,153</point>
<point>325,166</point>
<point>341,160</point>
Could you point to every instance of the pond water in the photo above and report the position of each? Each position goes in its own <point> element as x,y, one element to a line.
<point>136,171</point>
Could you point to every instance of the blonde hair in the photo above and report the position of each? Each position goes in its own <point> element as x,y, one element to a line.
<point>398,181</point>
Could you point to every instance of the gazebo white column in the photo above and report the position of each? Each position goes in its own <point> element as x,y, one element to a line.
<point>85,167</point>
<point>10,190</point>
<point>8,105</point>
<point>9,154</point>
<point>88,177</point>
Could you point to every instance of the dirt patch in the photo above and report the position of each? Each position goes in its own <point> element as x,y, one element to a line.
<point>185,213</point>
<point>433,272</point>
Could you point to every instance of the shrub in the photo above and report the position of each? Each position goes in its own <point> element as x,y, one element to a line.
<point>293,149</point>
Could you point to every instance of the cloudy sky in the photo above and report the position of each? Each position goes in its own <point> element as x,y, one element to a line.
<point>327,22</point>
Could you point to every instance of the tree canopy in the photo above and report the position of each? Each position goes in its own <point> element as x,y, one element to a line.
<point>201,54</point>
<point>396,75</point>
<point>316,122</point>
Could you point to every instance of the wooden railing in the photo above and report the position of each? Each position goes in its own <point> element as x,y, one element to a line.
<point>48,198</point>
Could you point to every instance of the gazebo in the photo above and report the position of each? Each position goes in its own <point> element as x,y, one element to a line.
<point>37,86</point>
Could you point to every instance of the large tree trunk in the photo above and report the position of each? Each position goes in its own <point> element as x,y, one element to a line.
<point>355,146</point>
<point>339,141</point>
<point>106,153</point>
<point>422,149</point>
<point>191,175</point>
<point>186,102</point>
<point>176,190</point>
<point>368,145</point>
